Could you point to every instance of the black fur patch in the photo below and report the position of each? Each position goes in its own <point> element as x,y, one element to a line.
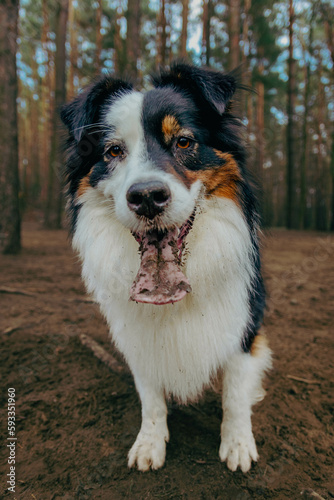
<point>85,145</point>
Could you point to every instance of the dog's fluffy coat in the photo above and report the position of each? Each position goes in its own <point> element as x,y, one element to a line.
<point>121,138</point>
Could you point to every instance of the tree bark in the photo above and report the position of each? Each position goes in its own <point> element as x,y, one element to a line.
<point>161,58</point>
<point>72,73</point>
<point>118,46</point>
<point>321,170</point>
<point>184,33</point>
<point>260,136</point>
<point>132,38</point>
<point>247,97</point>
<point>206,48</point>
<point>290,134</point>
<point>234,33</point>
<point>10,222</point>
<point>47,103</point>
<point>98,62</point>
<point>330,41</point>
<point>53,211</point>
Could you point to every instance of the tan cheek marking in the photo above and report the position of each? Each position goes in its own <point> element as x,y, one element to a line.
<point>260,343</point>
<point>84,184</point>
<point>221,182</point>
<point>170,127</point>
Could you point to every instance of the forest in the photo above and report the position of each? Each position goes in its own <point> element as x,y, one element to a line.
<point>77,408</point>
<point>282,50</point>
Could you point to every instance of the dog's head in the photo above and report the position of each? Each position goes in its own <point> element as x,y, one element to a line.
<point>153,155</point>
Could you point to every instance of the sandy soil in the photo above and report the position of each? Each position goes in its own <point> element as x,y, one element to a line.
<point>76,420</point>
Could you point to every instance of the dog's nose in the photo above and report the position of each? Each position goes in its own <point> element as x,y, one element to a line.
<point>148,198</point>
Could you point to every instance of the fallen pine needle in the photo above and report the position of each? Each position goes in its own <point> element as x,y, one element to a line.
<point>305,380</point>
<point>101,353</point>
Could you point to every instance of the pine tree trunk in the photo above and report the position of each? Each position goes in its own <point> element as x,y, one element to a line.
<point>234,33</point>
<point>161,58</point>
<point>290,134</point>
<point>132,38</point>
<point>247,97</point>
<point>322,173</point>
<point>206,48</point>
<point>260,138</point>
<point>98,62</point>
<point>72,73</point>
<point>304,156</point>
<point>53,212</point>
<point>118,46</point>
<point>330,41</point>
<point>47,84</point>
<point>35,181</point>
<point>184,33</point>
<point>10,241</point>
<point>305,139</point>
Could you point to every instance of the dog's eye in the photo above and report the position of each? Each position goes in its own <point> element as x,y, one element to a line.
<point>183,143</point>
<point>115,151</point>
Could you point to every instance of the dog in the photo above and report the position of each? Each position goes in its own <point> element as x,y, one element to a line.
<point>165,222</point>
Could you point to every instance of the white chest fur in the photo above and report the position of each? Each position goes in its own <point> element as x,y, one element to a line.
<point>179,346</point>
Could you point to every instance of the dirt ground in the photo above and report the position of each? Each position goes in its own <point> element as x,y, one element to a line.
<point>76,420</point>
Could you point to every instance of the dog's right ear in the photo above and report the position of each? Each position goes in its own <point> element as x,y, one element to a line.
<point>85,110</point>
<point>211,89</point>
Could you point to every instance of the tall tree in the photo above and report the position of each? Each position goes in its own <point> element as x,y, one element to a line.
<point>304,154</point>
<point>72,29</point>
<point>247,97</point>
<point>321,170</point>
<point>184,33</point>
<point>53,211</point>
<point>98,41</point>
<point>118,44</point>
<point>260,150</point>
<point>327,13</point>
<point>132,37</point>
<point>290,125</point>
<point>161,42</point>
<point>47,87</point>
<point>10,241</point>
<point>206,46</point>
<point>234,33</point>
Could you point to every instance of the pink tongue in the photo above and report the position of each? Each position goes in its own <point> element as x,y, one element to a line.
<point>159,279</point>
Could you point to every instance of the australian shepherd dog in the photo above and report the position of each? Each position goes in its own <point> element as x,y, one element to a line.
<point>165,223</point>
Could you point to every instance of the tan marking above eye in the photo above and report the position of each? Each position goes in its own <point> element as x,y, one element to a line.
<point>170,127</point>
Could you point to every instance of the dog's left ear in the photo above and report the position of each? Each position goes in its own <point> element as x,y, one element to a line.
<point>208,88</point>
<point>85,110</point>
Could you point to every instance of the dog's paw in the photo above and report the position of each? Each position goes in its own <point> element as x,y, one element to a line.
<point>237,448</point>
<point>148,451</point>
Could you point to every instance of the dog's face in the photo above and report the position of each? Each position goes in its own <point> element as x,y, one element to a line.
<point>152,156</point>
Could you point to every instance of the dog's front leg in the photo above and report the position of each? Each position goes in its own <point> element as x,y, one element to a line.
<point>149,449</point>
<point>242,387</point>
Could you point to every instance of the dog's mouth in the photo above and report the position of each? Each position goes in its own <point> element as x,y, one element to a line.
<point>160,279</point>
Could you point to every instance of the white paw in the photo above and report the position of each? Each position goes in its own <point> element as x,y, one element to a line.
<point>148,451</point>
<point>237,448</point>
